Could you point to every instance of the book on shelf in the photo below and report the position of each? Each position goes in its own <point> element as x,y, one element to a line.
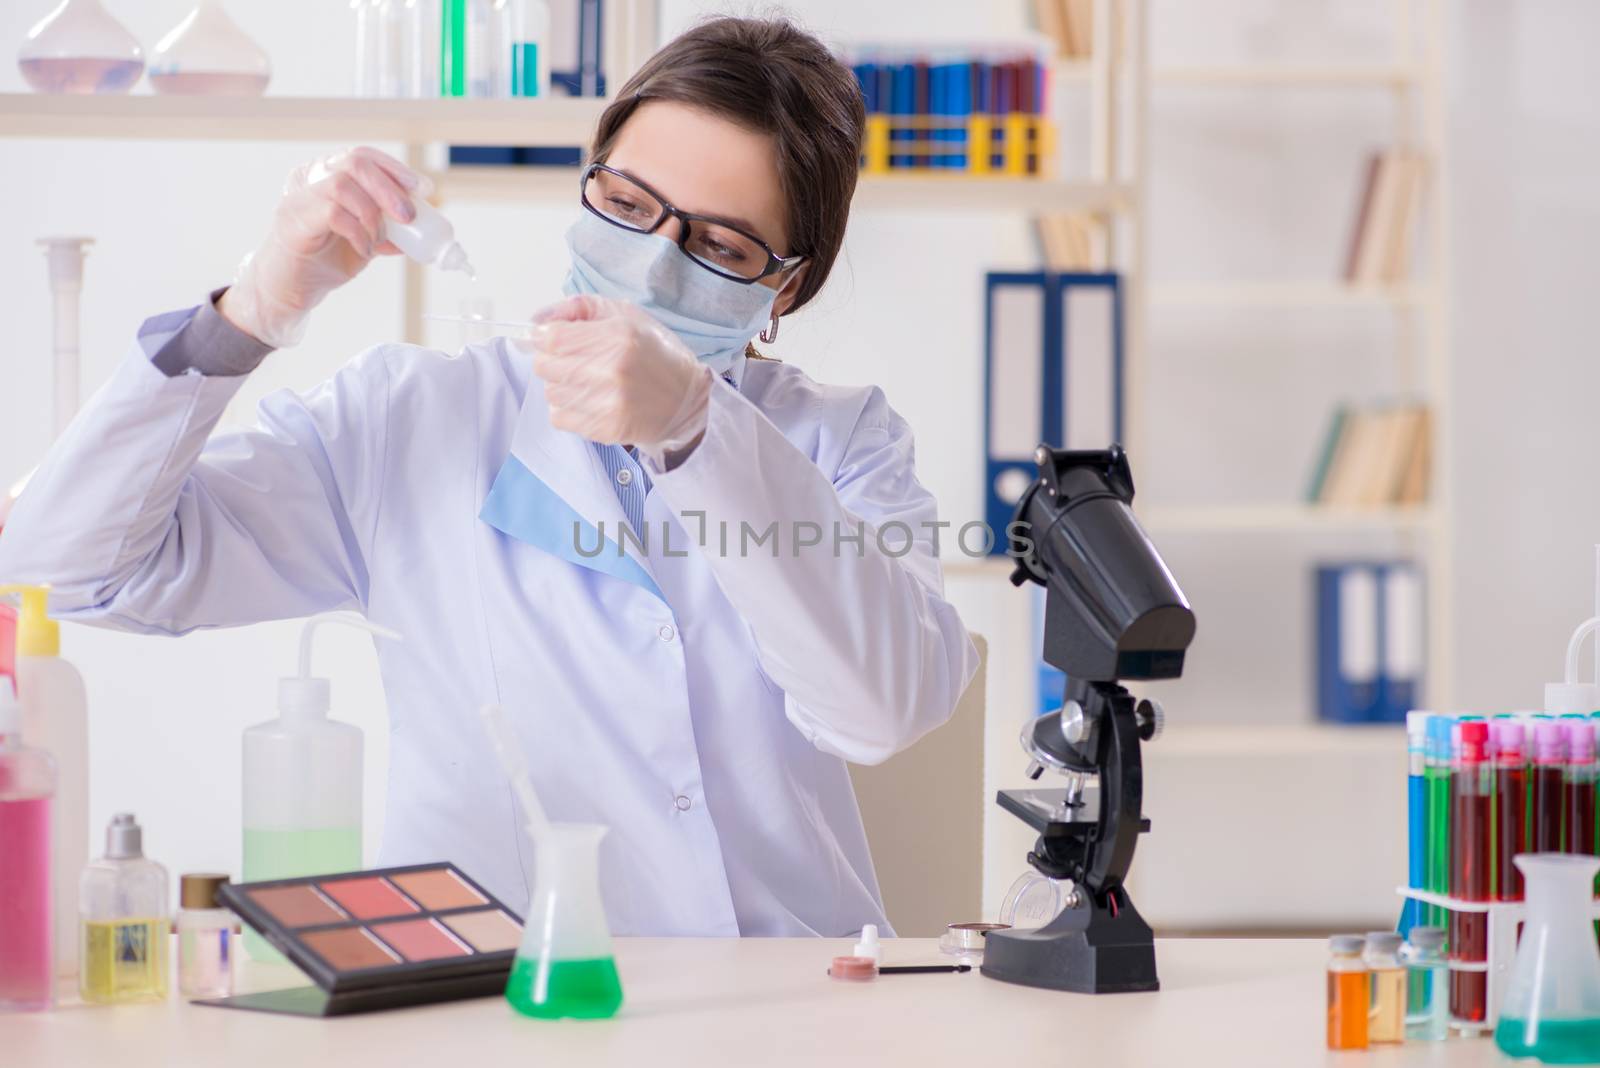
<point>1070,241</point>
<point>1387,212</point>
<point>1374,457</point>
<point>1069,24</point>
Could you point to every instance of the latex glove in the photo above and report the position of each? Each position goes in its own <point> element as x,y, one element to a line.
<point>327,227</point>
<point>617,376</point>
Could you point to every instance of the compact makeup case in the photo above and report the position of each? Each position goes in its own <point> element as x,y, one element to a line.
<point>378,939</point>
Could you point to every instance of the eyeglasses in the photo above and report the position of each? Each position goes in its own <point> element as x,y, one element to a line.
<point>720,247</point>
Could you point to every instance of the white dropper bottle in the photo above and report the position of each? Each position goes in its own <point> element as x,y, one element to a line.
<point>429,239</point>
<point>302,780</point>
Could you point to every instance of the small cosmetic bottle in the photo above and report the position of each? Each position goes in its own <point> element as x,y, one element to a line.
<point>205,939</point>
<point>122,901</point>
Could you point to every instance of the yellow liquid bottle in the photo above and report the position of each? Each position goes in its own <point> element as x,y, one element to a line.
<point>126,932</point>
<point>125,960</point>
<point>1386,1021</point>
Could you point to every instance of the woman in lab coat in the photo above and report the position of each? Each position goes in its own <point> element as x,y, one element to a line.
<point>698,581</point>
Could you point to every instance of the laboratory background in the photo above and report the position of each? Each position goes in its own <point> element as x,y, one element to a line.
<point>1324,269</point>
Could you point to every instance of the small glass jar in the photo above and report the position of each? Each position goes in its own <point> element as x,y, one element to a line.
<point>1427,986</point>
<point>1386,1020</point>
<point>205,939</point>
<point>1349,993</point>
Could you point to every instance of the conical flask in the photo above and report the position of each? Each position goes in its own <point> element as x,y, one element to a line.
<point>207,53</point>
<point>80,48</point>
<point>565,967</point>
<point>1551,1009</point>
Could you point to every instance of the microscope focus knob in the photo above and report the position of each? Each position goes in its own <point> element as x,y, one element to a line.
<point>1074,723</point>
<point>1152,719</point>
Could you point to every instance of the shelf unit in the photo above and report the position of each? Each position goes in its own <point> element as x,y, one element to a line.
<point>1415,82</point>
<point>1286,295</point>
<point>1278,75</point>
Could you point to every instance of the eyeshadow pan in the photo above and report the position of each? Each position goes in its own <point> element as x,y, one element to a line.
<point>368,898</point>
<point>489,930</point>
<point>419,939</point>
<point>297,906</point>
<point>350,949</point>
<point>438,888</point>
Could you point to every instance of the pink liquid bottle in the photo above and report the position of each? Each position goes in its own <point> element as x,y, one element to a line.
<point>27,786</point>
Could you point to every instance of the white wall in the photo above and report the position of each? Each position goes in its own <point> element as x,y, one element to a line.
<point>1246,186</point>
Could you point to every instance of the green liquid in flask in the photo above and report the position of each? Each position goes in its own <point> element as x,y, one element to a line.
<point>580,989</point>
<point>1553,1042</point>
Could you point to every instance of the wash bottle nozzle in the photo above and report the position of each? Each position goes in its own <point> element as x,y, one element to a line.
<point>1570,695</point>
<point>309,695</point>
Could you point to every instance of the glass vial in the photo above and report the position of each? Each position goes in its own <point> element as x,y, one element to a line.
<point>1428,982</point>
<point>1349,996</point>
<point>27,787</point>
<point>1386,1022</point>
<point>80,48</point>
<point>530,48</point>
<point>122,902</point>
<point>205,939</point>
<point>391,47</point>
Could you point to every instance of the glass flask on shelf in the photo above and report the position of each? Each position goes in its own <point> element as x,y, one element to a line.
<point>80,48</point>
<point>208,54</point>
<point>1551,1009</point>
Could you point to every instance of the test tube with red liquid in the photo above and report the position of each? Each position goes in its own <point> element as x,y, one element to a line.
<point>1472,790</point>
<point>1545,797</point>
<point>1509,738</point>
<point>1578,782</point>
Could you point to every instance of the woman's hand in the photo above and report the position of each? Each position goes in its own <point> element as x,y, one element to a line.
<point>327,227</point>
<point>615,375</point>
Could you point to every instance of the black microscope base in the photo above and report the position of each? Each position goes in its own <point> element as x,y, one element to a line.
<point>1086,950</point>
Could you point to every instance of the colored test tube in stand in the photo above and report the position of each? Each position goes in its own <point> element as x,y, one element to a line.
<point>1470,862</point>
<point>1437,774</point>
<point>1508,738</point>
<point>1578,786</point>
<point>1546,775</point>
<point>1414,913</point>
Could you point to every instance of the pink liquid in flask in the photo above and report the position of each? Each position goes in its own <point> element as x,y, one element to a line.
<point>27,966</point>
<point>80,75</point>
<point>204,83</point>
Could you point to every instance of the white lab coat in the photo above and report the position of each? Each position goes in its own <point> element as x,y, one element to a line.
<point>701,704</point>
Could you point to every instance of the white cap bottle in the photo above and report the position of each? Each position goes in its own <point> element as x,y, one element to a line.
<point>302,780</point>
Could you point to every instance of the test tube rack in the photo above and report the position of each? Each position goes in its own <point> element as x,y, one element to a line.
<point>1505,920</point>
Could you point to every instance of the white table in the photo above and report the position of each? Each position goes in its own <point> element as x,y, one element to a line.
<point>761,1002</point>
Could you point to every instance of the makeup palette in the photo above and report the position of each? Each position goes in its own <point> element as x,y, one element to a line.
<point>378,939</point>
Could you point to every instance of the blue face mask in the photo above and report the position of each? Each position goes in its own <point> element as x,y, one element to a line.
<point>715,317</point>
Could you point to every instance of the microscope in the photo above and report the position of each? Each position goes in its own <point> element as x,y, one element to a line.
<point>1112,611</point>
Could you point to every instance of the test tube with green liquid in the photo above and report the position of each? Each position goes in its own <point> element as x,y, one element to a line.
<point>1436,772</point>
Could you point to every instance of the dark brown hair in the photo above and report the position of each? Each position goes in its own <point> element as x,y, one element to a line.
<point>770,76</point>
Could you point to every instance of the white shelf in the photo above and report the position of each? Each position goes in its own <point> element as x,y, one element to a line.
<point>1285,295</point>
<point>1288,75</point>
<point>1274,518</point>
<point>890,192</point>
<point>1385,740</point>
<point>556,121</point>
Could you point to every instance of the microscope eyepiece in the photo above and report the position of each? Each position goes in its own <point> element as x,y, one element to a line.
<point>1113,610</point>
